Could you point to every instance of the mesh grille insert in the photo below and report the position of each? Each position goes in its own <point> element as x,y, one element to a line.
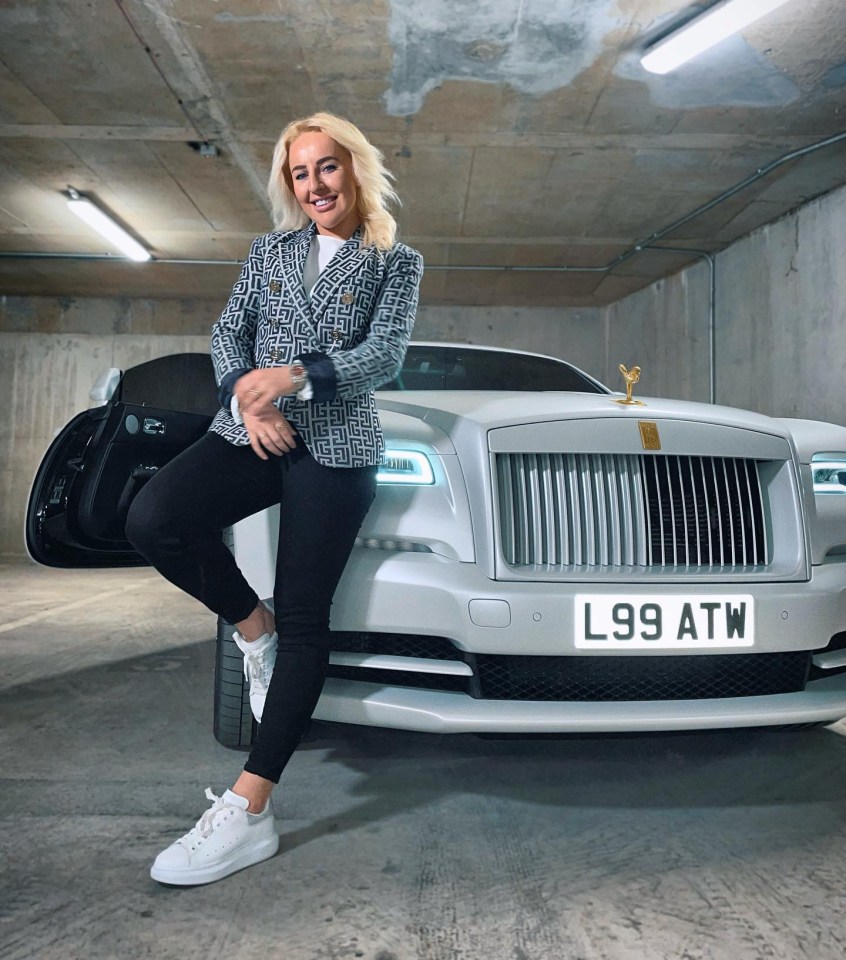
<point>603,679</point>
<point>582,679</point>
<point>394,644</point>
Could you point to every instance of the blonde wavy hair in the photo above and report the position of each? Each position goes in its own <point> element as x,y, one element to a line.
<point>372,179</point>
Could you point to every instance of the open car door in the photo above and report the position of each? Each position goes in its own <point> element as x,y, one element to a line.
<point>97,464</point>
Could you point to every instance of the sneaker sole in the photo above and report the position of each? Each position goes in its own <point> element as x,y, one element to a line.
<point>263,850</point>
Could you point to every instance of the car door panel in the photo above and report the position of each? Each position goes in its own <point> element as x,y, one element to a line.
<point>93,471</point>
<point>124,457</point>
<point>102,459</point>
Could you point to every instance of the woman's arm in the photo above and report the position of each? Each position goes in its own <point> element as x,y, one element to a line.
<point>233,335</point>
<point>378,358</point>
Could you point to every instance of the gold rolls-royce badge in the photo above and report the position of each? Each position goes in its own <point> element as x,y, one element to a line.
<point>649,437</point>
<point>631,377</point>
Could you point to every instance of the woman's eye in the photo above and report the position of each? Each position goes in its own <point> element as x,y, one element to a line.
<point>330,167</point>
<point>299,176</point>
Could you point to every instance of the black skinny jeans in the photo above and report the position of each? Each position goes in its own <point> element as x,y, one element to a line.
<point>176,521</point>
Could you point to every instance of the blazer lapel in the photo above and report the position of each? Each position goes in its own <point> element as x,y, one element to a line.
<point>292,257</point>
<point>339,268</point>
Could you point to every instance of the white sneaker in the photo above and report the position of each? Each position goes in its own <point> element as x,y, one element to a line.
<point>225,839</point>
<point>259,657</point>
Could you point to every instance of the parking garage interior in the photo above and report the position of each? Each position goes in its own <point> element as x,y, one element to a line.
<point>566,202</point>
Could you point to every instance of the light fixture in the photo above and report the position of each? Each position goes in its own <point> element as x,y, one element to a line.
<point>106,227</point>
<point>704,32</point>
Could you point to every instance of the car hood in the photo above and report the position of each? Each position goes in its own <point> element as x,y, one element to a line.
<point>493,409</point>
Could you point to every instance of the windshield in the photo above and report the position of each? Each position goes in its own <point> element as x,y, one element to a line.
<point>450,368</point>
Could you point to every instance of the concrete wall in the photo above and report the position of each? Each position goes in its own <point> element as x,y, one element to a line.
<point>780,321</point>
<point>781,316</point>
<point>664,330</point>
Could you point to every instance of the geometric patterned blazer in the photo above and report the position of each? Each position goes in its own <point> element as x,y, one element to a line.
<point>352,337</point>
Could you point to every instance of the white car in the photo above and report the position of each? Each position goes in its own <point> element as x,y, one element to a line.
<point>541,557</point>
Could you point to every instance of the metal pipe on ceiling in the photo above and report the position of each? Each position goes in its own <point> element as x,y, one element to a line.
<point>105,258</point>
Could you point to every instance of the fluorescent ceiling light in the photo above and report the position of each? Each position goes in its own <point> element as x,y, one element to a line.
<point>704,32</point>
<point>106,227</point>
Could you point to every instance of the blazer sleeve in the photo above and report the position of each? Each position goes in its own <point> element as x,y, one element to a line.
<point>233,335</point>
<point>378,358</point>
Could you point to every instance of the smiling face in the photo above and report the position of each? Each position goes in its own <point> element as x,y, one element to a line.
<point>324,184</point>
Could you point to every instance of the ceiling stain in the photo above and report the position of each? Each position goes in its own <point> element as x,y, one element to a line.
<point>534,46</point>
<point>834,78</point>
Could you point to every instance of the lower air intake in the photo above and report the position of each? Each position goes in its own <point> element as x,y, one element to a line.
<point>603,679</point>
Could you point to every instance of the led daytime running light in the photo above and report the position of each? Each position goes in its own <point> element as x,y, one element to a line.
<point>405,466</point>
<point>829,471</point>
<point>392,544</point>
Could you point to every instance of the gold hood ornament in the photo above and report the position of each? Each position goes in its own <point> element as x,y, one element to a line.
<point>631,377</point>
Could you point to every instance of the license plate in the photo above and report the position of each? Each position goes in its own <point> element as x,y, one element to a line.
<point>662,621</point>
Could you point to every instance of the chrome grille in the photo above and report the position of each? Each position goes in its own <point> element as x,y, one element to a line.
<point>576,509</point>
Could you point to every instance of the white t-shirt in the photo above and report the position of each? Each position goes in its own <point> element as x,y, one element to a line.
<point>320,252</point>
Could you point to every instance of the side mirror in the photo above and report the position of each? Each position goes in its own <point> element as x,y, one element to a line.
<point>105,386</point>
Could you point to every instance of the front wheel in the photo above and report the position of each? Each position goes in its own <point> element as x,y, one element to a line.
<point>234,725</point>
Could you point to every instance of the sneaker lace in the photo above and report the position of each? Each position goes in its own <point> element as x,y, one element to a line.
<point>257,668</point>
<point>205,824</point>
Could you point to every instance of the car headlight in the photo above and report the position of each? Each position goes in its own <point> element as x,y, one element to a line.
<point>829,470</point>
<point>408,466</point>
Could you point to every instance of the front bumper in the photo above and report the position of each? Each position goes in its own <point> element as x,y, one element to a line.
<point>432,711</point>
<point>427,594</point>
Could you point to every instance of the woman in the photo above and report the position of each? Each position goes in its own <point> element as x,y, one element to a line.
<point>320,316</point>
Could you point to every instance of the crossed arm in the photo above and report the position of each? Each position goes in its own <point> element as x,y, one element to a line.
<point>374,361</point>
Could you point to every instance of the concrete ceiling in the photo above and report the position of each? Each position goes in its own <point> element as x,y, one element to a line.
<point>521,132</point>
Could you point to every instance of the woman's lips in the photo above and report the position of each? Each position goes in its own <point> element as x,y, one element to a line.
<point>324,203</point>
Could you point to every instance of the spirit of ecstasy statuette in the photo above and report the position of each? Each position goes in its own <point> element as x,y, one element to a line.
<point>631,377</point>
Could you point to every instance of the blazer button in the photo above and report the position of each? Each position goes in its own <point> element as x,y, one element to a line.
<point>337,336</point>
<point>275,354</point>
<point>275,286</point>
<point>347,298</point>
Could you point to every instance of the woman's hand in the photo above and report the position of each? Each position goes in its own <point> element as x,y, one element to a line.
<point>260,387</point>
<point>269,431</point>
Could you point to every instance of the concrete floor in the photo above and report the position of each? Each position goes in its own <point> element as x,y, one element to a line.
<point>395,846</point>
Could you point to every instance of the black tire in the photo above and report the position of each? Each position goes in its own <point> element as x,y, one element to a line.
<point>234,725</point>
<point>810,725</point>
